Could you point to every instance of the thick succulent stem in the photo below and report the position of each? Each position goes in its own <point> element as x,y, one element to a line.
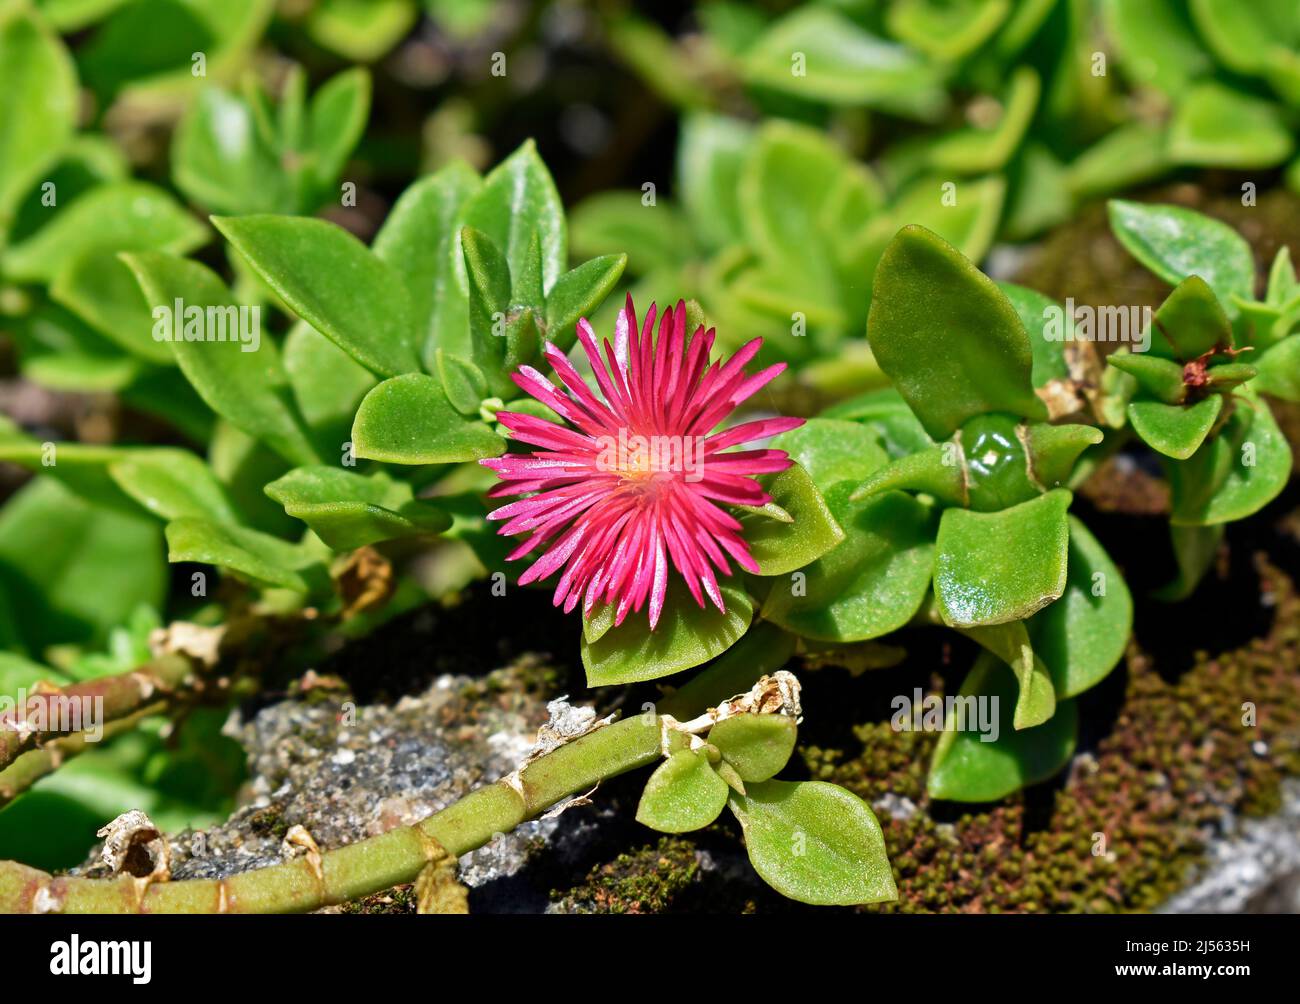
<point>36,764</point>
<point>359,869</point>
<point>573,767</point>
<point>23,729</point>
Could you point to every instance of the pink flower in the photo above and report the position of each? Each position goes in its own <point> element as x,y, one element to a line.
<point>637,478</point>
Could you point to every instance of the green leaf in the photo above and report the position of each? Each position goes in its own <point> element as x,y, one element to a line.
<point>249,553</point>
<point>408,420</point>
<point>1243,37</point>
<point>220,161</point>
<point>1162,378</point>
<point>653,235</point>
<point>173,484</point>
<point>1217,126</point>
<point>1054,450</point>
<point>872,583</point>
<point>328,386</point>
<point>947,337</point>
<point>421,241</point>
<point>1036,697</point>
<point>1195,548</point>
<point>781,547</point>
<point>1236,473</point>
<point>684,793</point>
<point>1174,243</point>
<point>815,842</point>
<point>966,213</point>
<point>361,30</point>
<point>516,204</point>
<point>832,450</point>
<point>1191,322</point>
<point>246,388</point>
<point>758,746</point>
<point>685,636</point>
<point>711,152</point>
<point>842,64</point>
<point>932,470</point>
<point>349,510</point>
<point>103,292</point>
<point>887,414</point>
<point>1035,311</point>
<point>979,579</point>
<point>788,184</point>
<point>121,216</point>
<point>1155,43</point>
<point>336,119</point>
<point>980,150</point>
<point>946,31</point>
<point>1279,370</point>
<point>965,768</point>
<point>334,283</point>
<point>38,104</point>
<point>1175,430</point>
<point>463,382</point>
<point>578,293</point>
<point>53,544</point>
<point>1082,636</point>
<point>1122,159</point>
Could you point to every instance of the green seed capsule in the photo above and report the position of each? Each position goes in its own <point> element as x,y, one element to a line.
<point>996,468</point>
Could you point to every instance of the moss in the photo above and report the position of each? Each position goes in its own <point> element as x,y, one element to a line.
<point>400,899</point>
<point>1131,820</point>
<point>645,880</point>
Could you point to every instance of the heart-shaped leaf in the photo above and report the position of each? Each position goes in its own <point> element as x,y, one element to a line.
<point>994,567</point>
<point>947,337</point>
<point>815,842</point>
<point>1036,698</point>
<point>349,510</point>
<point>1234,474</point>
<point>833,450</point>
<point>685,636</point>
<point>1218,126</point>
<point>246,388</point>
<point>781,547</point>
<point>1190,322</point>
<point>1174,243</point>
<point>1176,430</point>
<point>408,420</point>
<point>986,761</point>
<point>1279,370</point>
<point>872,583</point>
<point>758,746</point>
<point>1083,635</point>
<point>842,64</point>
<point>684,793</point>
<point>334,283</point>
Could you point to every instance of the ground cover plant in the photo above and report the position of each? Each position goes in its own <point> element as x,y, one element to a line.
<point>788,414</point>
